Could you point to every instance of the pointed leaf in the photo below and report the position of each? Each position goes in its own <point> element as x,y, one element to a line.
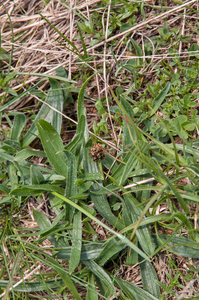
<point>77,242</point>
<point>53,147</point>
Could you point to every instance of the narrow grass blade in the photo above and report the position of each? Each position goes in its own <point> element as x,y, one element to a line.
<point>80,101</point>
<point>82,40</point>
<point>6,105</point>
<point>75,143</point>
<point>63,36</point>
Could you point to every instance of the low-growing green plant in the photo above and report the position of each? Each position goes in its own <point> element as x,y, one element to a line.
<point>82,185</point>
<point>73,181</point>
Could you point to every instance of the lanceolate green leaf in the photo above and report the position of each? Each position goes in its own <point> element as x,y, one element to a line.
<point>65,277</point>
<point>179,245</point>
<point>143,233</point>
<point>30,190</point>
<point>43,223</point>
<point>25,153</point>
<point>77,242</point>
<point>112,247</point>
<point>159,99</point>
<point>102,275</point>
<point>56,101</point>
<point>18,125</point>
<point>149,278</point>
<point>35,286</point>
<point>132,291</point>
<point>100,201</point>
<point>53,147</point>
<point>89,251</point>
<point>91,291</point>
<point>36,176</point>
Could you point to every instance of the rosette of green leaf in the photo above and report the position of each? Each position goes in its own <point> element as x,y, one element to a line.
<point>100,202</point>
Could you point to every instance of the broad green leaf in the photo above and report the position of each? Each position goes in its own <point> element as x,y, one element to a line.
<point>12,173</point>
<point>18,125</point>
<point>36,176</point>
<point>56,94</point>
<point>159,99</point>
<point>91,290</point>
<point>133,292</point>
<point>76,242</point>
<point>53,147</point>
<point>44,112</point>
<point>112,247</point>
<point>6,157</point>
<point>45,225</point>
<point>179,245</point>
<point>65,277</point>
<point>149,278</point>
<point>31,190</point>
<point>143,233</point>
<point>101,203</point>
<point>102,275</point>
<point>36,286</point>
<point>88,252</point>
<point>25,153</point>
<point>132,257</point>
